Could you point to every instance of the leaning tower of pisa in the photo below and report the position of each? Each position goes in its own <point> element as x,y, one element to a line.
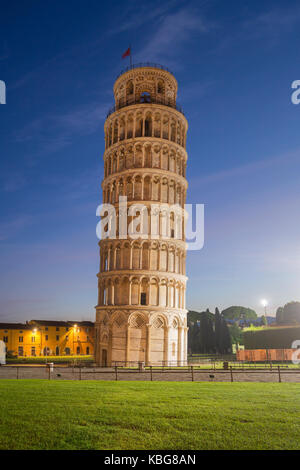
<point>141,314</point>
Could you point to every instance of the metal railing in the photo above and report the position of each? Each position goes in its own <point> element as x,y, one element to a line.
<point>145,100</point>
<point>144,64</point>
<point>188,373</point>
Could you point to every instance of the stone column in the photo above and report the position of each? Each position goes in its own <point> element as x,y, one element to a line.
<point>131,255</point>
<point>112,293</point>
<point>134,125</point>
<point>129,299</point>
<point>126,127</point>
<point>148,345</point>
<point>185,329</point>
<point>109,352</point>
<point>139,292</point>
<point>127,351</point>
<point>143,125</point>
<point>179,345</point>
<point>166,345</point>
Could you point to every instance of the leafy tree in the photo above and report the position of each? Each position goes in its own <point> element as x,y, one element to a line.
<point>237,312</point>
<point>236,334</point>
<point>263,320</point>
<point>279,315</point>
<point>291,313</point>
<point>194,316</point>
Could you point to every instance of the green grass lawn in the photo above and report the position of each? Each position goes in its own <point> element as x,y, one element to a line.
<point>41,414</point>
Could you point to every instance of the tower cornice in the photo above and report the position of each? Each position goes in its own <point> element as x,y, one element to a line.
<point>114,112</point>
<point>144,140</point>
<point>143,273</point>
<point>144,172</point>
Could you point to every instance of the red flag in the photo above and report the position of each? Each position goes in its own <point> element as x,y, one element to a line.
<point>126,53</point>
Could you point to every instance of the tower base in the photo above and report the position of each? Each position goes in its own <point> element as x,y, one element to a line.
<point>129,336</point>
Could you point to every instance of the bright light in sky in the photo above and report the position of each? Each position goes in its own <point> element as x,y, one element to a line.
<point>264,302</point>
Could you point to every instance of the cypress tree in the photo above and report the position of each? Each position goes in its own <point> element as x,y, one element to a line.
<point>203,334</point>
<point>226,338</point>
<point>194,337</point>
<point>211,340</point>
<point>218,332</point>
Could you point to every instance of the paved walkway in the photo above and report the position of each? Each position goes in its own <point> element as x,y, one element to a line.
<point>68,373</point>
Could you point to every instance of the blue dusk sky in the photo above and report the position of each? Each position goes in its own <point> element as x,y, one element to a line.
<point>234,61</point>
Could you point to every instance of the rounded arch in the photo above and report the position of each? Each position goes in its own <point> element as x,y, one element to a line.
<point>137,319</point>
<point>119,317</point>
<point>129,88</point>
<point>158,320</point>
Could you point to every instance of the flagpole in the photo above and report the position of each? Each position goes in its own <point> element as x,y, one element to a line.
<point>130,56</point>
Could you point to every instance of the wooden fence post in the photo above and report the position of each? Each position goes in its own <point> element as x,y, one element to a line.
<point>116,371</point>
<point>151,373</point>
<point>17,372</point>
<point>79,373</point>
<point>279,376</point>
<point>192,369</point>
<point>231,374</point>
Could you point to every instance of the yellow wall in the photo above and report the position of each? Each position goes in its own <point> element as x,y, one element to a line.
<point>36,336</point>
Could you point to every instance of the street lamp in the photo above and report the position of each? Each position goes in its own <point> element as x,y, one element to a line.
<point>264,303</point>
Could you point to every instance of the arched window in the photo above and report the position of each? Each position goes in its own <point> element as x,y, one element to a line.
<point>160,87</point>
<point>144,300</point>
<point>145,97</point>
<point>57,350</point>
<point>148,126</point>
<point>129,89</point>
<point>130,126</point>
<point>139,125</point>
<point>115,134</point>
<point>87,350</point>
<point>78,350</point>
<point>122,129</point>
